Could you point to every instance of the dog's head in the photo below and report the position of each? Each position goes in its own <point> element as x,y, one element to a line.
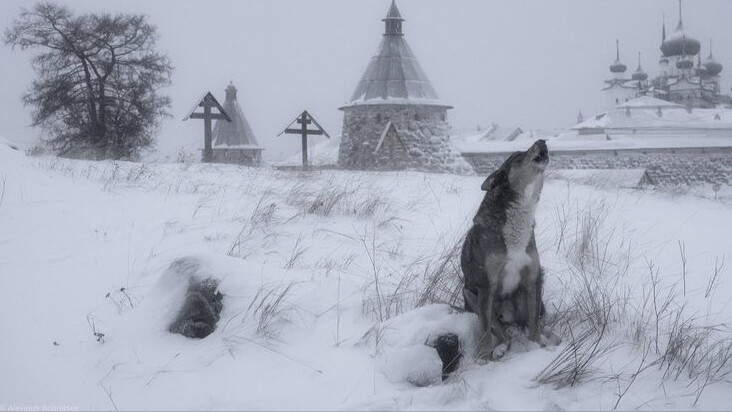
<point>520,170</point>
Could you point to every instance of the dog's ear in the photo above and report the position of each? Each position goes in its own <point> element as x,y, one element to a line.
<point>491,181</point>
<point>487,184</point>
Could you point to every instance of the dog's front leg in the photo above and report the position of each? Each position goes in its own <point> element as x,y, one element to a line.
<point>485,315</point>
<point>533,308</point>
<point>494,266</point>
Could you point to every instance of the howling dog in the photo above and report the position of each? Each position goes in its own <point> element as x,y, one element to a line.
<point>499,260</point>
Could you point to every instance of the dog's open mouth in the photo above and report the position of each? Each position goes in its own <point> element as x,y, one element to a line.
<point>542,157</point>
<point>541,152</point>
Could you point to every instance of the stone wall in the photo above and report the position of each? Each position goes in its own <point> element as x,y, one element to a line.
<point>422,129</point>
<point>667,166</point>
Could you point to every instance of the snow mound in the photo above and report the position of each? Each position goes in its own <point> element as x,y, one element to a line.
<point>405,354</point>
<point>417,364</point>
<point>324,153</point>
<point>166,297</point>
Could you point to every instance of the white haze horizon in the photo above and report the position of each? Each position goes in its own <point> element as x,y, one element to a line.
<point>531,64</point>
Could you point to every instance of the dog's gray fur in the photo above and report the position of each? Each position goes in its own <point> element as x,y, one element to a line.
<point>500,263</point>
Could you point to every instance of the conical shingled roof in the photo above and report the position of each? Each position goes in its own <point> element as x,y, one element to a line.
<point>394,75</point>
<point>236,133</point>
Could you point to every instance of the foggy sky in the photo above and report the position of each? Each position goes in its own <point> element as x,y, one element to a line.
<point>532,64</point>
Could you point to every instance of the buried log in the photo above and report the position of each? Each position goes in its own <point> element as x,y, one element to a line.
<point>201,308</point>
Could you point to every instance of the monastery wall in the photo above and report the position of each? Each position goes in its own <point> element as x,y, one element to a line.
<point>664,167</point>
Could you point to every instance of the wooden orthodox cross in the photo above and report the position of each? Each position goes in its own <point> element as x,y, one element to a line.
<point>304,120</point>
<point>208,102</point>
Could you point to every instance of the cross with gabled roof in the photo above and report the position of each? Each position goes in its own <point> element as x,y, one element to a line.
<point>207,102</point>
<point>304,120</point>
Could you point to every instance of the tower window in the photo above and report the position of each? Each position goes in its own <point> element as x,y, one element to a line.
<point>378,118</point>
<point>416,117</point>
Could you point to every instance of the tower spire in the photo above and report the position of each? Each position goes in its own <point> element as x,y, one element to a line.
<point>618,68</point>
<point>663,29</point>
<point>700,71</point>
<point>393,21</point>
<point>639,74</point>
<point>230,91</point>
<point>713,67</point>
<point>681,20</point>
<point>710,49</point>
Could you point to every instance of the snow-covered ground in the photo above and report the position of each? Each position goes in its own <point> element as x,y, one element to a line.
<point>330,281</point>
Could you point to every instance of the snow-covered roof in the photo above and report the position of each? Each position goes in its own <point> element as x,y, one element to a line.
<point>683,83</point>
<point>624,84</point>
<point>648,102</point>
<point>394,76</point>
<point>468,140</point>
<point>502,134</point>
<point>650,115</point>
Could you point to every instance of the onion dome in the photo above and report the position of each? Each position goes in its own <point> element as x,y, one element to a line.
<point>684,64</point>
<point>618,67</point>
<point>680,43</point>
<point>701,71</point>
<point>639,74</point>
<point>713,67</point>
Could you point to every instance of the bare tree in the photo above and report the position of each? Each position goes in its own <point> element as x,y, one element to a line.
<point>99,78</point>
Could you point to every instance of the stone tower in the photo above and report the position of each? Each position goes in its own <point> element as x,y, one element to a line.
<point>395,119</point>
